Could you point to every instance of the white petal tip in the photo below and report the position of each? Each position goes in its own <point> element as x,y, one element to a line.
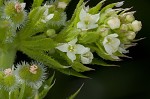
<point>119,4</point>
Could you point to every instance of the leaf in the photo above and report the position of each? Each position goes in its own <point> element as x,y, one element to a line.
<point>76,93</point>
<point>40,44</point>
<point>42,57</point>
<point>47,85</point>
<point>96,61</point>
<point>37,3</point>
<point>88,37</point>
<point>80,67</point>
<point>96,8</point>
<point>72,72</point>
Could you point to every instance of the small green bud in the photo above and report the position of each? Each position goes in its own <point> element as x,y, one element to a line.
<point>8,80</point>
<point>33,75</point>
<point>124,27</point>
<point>16,12</point>
<point>51,33</point>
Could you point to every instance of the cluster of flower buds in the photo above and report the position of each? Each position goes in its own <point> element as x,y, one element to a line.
<point>23,75</point>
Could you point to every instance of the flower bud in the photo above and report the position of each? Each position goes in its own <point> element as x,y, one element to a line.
<point>114,23</point>
<point>130,18</point>
<point>50,32</point>
<point>103,31</point>
<point>130,35</point>
<point>33,75</point>
<point>62,5</point>
<point>15,11</point>
<point>124,27</point>
<point>136,26</point>
<point>8,80</point>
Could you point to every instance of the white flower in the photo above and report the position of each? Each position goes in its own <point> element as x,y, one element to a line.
<point>47,16</point>
<point>20,6</point>
<point>111,44</point>
<point>72,48</point>
<point>87,21</point>
<point>136,26</point>
<point>114,23</point>
<point>86,58</point>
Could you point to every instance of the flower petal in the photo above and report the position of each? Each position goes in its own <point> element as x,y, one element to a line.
<point>92,26</point>
<point>87,58</point>
<point>63,48</point>
<point>95,17</point>
<point>23,5</point>
<point>81,25</point>
<point>71,56</point>
<point>83,14</point>
<point>73,42</point>
<point>80,49</point>
<point>50,16</point>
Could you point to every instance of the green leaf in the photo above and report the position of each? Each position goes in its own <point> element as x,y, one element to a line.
<point>39,44</point>
<point>42,57</point>
<point>107,7</point>
<point>37,3</point>
<point>80,67</point>
<point>96,61</point>
<point>96,8</point>
<point>72,72</point>
<point>47,85</point>
<point>89,37</point>
<point>76,93</point>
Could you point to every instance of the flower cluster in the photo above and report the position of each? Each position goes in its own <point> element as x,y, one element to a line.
<point>108,31</point>
<point>45,34</point>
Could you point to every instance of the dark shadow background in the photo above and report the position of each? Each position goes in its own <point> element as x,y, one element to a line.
<point>129,81</point>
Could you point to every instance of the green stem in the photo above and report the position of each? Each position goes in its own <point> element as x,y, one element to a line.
<point>22,91</point>
<point>7,56</point>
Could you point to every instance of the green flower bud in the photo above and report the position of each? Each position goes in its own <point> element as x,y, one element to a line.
<point>15,11</point>
<point>124,27</point>
<point>51,33</point>
<point>8,80</point>
<point>33,75</point>
<point>136,26</point>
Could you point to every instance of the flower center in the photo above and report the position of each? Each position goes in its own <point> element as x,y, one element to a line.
<point>33,69</point>
<point>18,7</point>
<point>71,48</point>
<point>8,71</point>
<point>87,55</point>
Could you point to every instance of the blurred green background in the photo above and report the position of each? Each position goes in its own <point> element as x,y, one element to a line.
<point>129,81</point>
